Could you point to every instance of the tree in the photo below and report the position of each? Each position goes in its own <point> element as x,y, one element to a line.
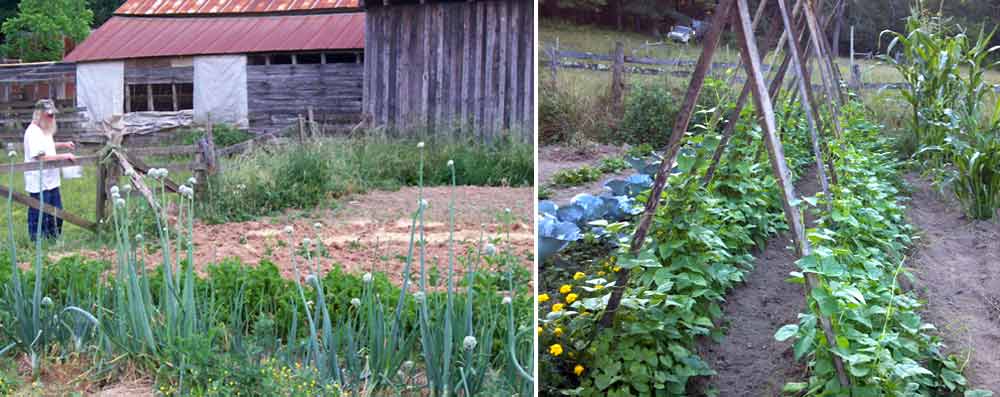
<point>103,9</point>
<point>37,32</point>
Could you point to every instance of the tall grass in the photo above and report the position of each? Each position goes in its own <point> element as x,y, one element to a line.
<point>305,175</point>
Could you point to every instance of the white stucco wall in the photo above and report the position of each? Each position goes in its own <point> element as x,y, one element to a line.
<point>220,89</point>
<point>100,88</point>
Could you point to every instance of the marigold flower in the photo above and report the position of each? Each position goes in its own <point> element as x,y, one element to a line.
<point>558,307</point>
<point>571,298</point>
<point>579,276</point>
<point>543,298</point>
<point>565,289</point>
<point>555,350</point>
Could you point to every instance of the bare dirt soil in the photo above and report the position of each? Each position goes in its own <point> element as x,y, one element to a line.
<point>956,266</point>
<point>749,361</point>
<point>371,232</point>
<point>552,159</point>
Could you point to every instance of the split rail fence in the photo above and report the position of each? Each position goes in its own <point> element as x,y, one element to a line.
<point>135,152</point>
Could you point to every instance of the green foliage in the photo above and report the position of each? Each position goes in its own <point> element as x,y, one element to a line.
<point>37,32</point>
<point>858,255</point>
<point>319,172</point>
<point>701,245</point>
<point>223,135</point>
<point>575,176</point>
<point>649,115</point>
<point>954,133</point>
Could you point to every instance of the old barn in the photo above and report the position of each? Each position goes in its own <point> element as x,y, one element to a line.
<point>257,64</point>
<point>435,65</point>
<point>448,64</point>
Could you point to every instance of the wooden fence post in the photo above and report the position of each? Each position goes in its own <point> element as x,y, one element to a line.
<point>101,192</point>
<point>302,129</point>
<point>312,123</point>
<point>618,80</point>
<point>207,162</point>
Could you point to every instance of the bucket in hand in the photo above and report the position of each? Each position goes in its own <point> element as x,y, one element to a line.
<point>72,172</point>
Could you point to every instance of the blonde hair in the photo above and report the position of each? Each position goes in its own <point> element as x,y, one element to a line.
<point>47,124</point>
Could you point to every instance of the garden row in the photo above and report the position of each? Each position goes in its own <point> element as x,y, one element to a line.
<point>701,243</point>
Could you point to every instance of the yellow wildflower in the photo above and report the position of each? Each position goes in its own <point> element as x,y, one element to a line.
<point>539,330</point>
<point>557,332</point>
<point>543,298</point>
<point>555,350</point>
<point>565,289</point>
<point>558,307</point>
<point>617,269</point>
<point>571,298</point>
<point>579,276</point>
<point>601,273</point>
<point>598,287</point>
<point>578,370</point>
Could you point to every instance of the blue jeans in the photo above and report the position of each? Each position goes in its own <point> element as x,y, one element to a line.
<point>51,226</point>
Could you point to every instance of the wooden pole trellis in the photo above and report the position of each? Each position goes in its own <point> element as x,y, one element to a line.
<point>751,58</point>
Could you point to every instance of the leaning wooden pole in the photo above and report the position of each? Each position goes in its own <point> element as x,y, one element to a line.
<point>825,69</point>
<point>780,168</point>
<point>793,50</point>
<point>722,12</point>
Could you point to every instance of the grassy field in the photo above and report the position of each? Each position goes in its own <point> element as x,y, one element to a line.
<point>588,38</point>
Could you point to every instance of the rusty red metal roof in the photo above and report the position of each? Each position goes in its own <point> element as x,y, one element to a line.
<point>185,7</point>
<point>145,37</point>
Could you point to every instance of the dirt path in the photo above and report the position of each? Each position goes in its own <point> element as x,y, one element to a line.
<point>371,232</point>
<point>749,361</point>
<point>956,266</point>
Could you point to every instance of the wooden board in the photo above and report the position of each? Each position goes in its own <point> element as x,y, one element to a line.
<point>445,64</point>
<point>48,209</point>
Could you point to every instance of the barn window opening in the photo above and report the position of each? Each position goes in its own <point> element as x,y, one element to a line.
<point>257,60</point>
<point>159,97</point>
<point>309,58</point>
<point>281,59</point>
<point>341,57</point>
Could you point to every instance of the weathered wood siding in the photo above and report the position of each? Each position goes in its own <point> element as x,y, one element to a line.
<point>278,94</point>
<point>159,75</point>
<point>451,65</point>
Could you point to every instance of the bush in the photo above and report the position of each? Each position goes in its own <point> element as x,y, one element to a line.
<point>223,135</point>
<point>649,116</point>
<point>567,118</point>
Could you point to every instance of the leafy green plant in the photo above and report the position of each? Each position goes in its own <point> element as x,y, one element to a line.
<point>650,110</point>
<point>576,176</point>
<point>36,34</point>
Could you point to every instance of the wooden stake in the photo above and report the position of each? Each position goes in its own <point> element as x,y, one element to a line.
<point>793,50</point>
<point>711,43</point>
<point>618,80</point>
<point>780,167</point>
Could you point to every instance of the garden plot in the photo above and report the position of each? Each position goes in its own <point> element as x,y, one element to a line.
<point>555,159</point>
<point>371,232</point>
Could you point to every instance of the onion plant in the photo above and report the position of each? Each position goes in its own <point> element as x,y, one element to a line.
<point>36,321</point>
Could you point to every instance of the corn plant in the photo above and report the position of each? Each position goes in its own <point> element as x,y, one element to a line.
<point>36,322</point>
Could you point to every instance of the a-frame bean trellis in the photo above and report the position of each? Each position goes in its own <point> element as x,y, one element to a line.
<point>800,27</point>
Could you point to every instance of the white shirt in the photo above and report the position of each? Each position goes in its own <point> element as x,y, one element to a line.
<point>36,143</point>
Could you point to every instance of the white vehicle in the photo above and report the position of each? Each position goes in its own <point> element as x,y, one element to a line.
<point>681,34</point>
